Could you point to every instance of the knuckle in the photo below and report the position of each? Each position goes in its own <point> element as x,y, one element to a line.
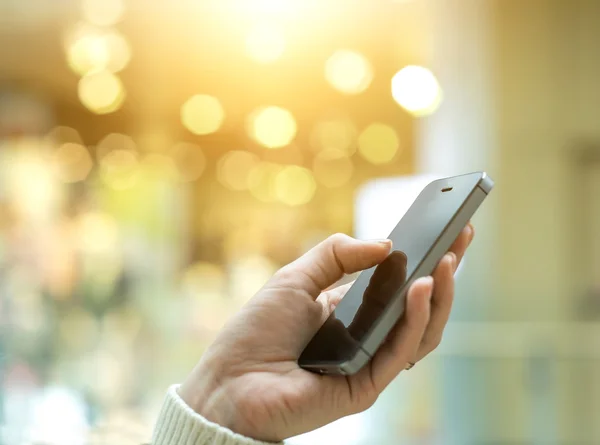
<point>338,238</point>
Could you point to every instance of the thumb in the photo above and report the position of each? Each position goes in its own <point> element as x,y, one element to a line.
<point>339,254</point>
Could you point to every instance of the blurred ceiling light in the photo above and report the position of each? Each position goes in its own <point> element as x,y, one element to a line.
<point>378,143</point>
<point>349,72</point>
<point>332,168</point>
<point>265,43</point>
<point>261,181</point>
<point>189,161</point>
<point>114,141</point>
<point>87,54</point>
<point>295,185</point>
<point>202,114</point>
<point>101,92</point>
<point>233,169</point>
<point>119,169</point>
<point>272,127</point>
<point>339,134</point>
<point>91,49</point>
<point>103,12</point>
<point>416,90</point>
<point>62,135</point>
<point>73,162</point>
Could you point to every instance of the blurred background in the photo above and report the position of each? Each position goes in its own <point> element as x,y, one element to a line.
<point>159,160</point>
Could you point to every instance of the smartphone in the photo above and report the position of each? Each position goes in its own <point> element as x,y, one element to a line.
<point>375,302</point>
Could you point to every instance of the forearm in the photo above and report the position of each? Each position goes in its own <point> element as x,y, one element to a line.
<point>178,424</point>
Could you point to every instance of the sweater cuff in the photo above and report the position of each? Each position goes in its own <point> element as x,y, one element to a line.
<point>178,424</point>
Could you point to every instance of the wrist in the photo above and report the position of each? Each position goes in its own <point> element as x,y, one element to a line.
<point>205,393</point>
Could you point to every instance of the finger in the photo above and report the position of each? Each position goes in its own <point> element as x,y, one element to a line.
<point>331,298</point>
<point>326,263</point>
<point>403,343</point>
<point>462,242</point>
<point>441,304</point>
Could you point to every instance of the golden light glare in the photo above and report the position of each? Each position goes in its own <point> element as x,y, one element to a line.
<point>416,89</point>
<point>261,181</point>
<point>119,169</point>
<point>189,161</point>
<point>349,72</point>
<point>234,168</point>
<point>90,49</point>
<point>73,162</point>
<point>338,134</point>
<point>272,127</point>
<point>378,143</point>
<point>202,114</point>
<point>294,185</point>
<point>114,141</point>
<point>332,167</point>
<point>265,43</point>
<point>103,12</point>
<point>101,92</point>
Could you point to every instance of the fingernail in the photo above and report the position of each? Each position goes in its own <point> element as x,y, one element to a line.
<point>471,231</point>
<point>385,242</point>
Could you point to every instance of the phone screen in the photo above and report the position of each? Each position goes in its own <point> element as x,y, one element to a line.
<point>367,299</point>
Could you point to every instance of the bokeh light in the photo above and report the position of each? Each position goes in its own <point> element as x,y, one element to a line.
<point>378,143</point>
<point>261,181</point>
<point>103,12</point>
<point>202,114</point>
<point>62,135</point>
<point>294,185</point>
<point>265,43</point>
<point>189,161</point>
<point>114,141</point>
<point>349,72</point>
<point>72,161</point>
<point>332,168</point>
<point>90,50</point>
<point>339,134</point>
<point>119,169</point>
<point>272,127</point>
<point>233,169</point>
<point>101,92</point>
<point>416,89</point>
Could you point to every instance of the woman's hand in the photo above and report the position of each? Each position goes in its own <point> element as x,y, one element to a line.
<point>249,380</point>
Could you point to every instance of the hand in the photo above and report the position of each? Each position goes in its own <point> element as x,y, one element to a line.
<point>249,380</point>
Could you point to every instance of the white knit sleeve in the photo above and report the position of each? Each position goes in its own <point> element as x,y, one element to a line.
<point>178,424</point>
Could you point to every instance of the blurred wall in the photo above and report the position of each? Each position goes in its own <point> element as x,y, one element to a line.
<point>536,64</point>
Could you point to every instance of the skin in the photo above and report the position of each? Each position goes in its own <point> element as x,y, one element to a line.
<point>249,380</point>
